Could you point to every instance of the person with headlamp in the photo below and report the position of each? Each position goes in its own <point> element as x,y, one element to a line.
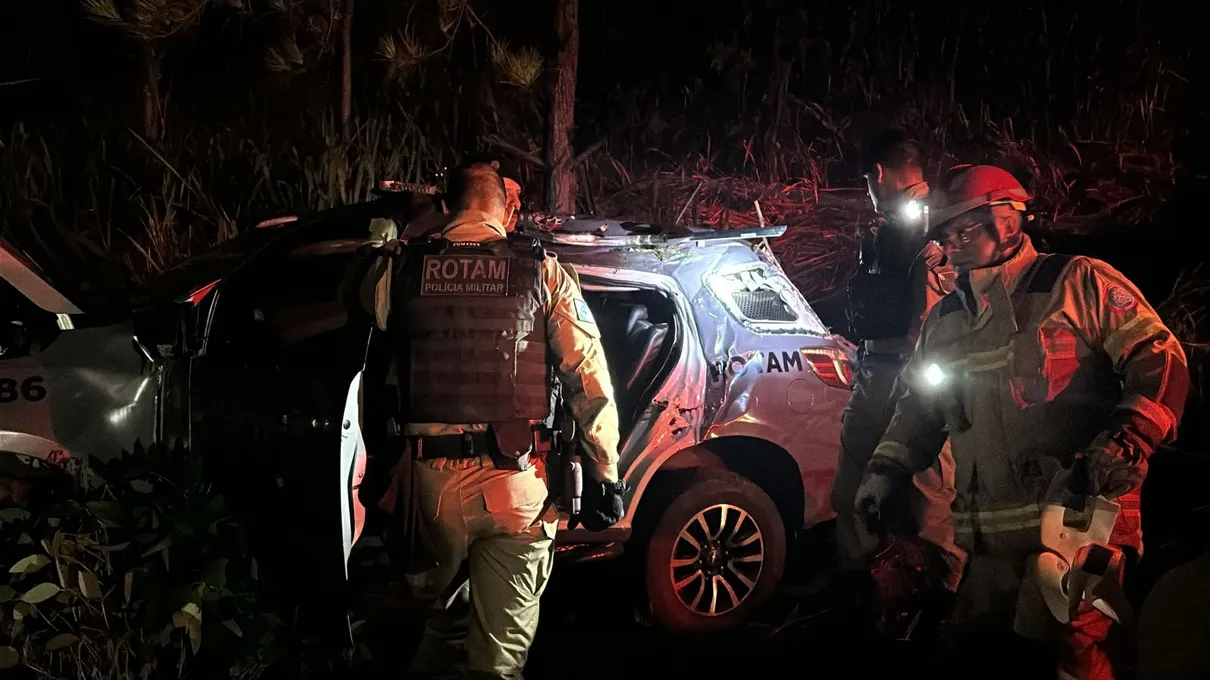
<point>900,276</point>
<point>1054,381</point>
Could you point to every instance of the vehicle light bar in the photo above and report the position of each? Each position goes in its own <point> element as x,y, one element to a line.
<point>395,186</point>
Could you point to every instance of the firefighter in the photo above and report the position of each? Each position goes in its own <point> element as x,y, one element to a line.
<point>481,319</point>
<point>900,276</point>
<point>1055,381</point>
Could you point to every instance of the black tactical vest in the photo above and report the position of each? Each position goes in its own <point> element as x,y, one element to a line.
<point>880,292</point>
<point>468,324</point>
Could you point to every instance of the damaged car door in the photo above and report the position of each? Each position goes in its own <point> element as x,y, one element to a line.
<point>279,384</point>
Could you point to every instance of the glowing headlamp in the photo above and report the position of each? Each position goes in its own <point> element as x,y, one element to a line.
<point>911,211</point>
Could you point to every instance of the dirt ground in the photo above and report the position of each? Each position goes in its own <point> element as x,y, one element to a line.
<point>591,629</point>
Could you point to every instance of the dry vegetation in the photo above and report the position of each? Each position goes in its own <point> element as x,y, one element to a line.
<point>771,120</point>
<point>773,110</point>
<point>771,113</point>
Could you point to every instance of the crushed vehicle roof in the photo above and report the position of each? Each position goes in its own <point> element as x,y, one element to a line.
<point>633,234</point>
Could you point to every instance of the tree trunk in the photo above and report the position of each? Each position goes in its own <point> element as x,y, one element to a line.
<point>561,182</point>
<point>149,93</point>
<point>346,65</point>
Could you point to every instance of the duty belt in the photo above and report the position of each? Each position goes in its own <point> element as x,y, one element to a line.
<point>465,445</point>
<point>866,355</point>
<point>469,444</point>
<point>898,346</point>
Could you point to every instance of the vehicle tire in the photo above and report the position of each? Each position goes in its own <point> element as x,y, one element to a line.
<point>738,560</point>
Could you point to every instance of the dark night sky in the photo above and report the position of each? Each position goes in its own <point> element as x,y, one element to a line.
<point>636,44</point>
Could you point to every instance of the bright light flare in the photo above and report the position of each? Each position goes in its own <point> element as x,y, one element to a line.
<point>911,211</point>
<point>933,375</point>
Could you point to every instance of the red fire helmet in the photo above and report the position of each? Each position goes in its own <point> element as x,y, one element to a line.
<point>969,187</point>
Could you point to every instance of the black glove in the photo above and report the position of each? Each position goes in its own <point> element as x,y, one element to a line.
<point>882,479</point>
<point>1095,473</point>
<point>601,505</point>
<point>1110,476</point>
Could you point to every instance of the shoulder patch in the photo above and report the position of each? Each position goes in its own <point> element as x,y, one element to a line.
<point>583,313</point>
<point>1119,299</point>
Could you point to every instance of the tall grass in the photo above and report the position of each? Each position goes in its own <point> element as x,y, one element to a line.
<point>150,209</point>
<point>1084,107</point>
<point>1088,106</point>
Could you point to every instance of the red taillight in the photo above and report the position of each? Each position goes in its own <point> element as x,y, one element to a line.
<point>832,366</point>
<point>200,294</point>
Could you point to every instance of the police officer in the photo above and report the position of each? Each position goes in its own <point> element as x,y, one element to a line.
<point>428,221</point>
<point>1052,377</point>
<point>901,275</point>
<point>481,319</point>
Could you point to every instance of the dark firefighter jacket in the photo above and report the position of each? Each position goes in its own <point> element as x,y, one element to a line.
<point>1026,364</point>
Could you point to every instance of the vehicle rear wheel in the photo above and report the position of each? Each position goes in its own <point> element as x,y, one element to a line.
<point>716,554</point>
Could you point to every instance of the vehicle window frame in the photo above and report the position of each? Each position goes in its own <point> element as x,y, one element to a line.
<point>233,292</point>
<point>805,321</point>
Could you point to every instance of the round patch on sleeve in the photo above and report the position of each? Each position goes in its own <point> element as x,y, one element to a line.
<point>1119,299</point>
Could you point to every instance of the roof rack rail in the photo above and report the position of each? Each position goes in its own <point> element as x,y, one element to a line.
<point>679,236</point>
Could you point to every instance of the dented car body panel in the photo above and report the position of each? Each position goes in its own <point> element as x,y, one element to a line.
<point>68,391</point>
<point>743,372</point>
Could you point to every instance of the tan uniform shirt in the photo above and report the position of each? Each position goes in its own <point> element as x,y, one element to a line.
<point>574,343</point>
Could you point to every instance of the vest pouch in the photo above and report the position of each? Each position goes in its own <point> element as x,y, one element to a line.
<point>514,441</point>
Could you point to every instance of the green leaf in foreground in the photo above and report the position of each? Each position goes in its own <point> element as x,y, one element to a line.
<point>89,587</point>
<point>29,564</point>
<point>9,658</point>
<point>40,593</point>
<point>61,641</point>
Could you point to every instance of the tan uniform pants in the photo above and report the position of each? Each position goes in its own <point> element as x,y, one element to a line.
<point>471,511</point>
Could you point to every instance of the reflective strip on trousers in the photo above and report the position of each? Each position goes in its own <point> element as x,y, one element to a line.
<point>998,521</point>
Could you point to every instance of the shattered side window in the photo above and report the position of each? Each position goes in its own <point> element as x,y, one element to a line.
<point>763,302</point>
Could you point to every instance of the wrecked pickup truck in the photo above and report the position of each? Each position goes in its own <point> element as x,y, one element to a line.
<point>729,388</point>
